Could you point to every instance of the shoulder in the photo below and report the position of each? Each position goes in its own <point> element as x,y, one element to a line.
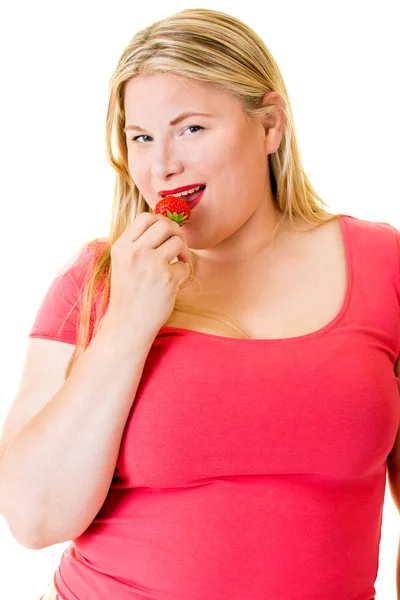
<point>366,232</point>
<point>84,257</point>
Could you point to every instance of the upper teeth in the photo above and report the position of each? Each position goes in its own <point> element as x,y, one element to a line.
<point>189,191</point>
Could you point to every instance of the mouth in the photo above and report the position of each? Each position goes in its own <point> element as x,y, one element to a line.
<point>191,197</point>
<point>182,192</point>
<point>195,198</point>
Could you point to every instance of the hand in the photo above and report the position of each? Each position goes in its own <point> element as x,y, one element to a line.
<point>145,279</point>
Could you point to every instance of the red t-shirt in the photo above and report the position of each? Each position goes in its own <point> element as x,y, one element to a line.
<point>250,469</point>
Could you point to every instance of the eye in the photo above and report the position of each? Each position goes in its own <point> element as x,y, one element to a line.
<point>147,136</point>
<point>137,137</point>
<point>194,127</point>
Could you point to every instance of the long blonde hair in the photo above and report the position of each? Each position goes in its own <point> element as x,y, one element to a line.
<point>215,48</point>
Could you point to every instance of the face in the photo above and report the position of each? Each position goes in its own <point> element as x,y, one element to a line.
<point>226,151</point>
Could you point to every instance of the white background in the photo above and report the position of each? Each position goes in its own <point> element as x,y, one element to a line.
<point>339,61</point>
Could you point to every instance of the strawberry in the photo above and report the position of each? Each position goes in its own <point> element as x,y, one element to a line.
<point>174,208</point>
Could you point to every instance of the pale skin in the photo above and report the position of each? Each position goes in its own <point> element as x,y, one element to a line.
<point>231,228</point>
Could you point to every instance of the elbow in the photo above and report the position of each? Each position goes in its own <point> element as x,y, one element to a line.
<point>32,544</point>
<point>25,531</point>
<point>20,534</point>
<point>34,540</point>
<point>29,533</point>
<point>20,528</point>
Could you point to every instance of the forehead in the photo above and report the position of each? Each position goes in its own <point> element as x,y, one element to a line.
<point>147,93</point>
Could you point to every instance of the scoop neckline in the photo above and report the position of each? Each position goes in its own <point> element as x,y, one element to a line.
<point>298,338</point>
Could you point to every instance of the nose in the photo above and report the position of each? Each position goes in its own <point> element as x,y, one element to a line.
<point>165,161</point>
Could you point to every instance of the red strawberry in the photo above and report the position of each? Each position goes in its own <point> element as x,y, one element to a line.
<point>174,208</point>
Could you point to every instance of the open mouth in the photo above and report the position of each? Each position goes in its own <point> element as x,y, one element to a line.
<point>190,197</point>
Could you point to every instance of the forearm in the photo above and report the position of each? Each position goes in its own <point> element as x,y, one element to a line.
<point>57,472</point>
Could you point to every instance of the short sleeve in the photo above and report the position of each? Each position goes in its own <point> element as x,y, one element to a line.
<point>57,316</point>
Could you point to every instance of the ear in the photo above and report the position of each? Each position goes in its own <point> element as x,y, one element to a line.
<point>274,122</point>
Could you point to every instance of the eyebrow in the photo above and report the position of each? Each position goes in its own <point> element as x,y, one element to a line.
<point>174,121</point>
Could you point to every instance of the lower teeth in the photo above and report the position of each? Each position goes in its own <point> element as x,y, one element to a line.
<point>193,196</point>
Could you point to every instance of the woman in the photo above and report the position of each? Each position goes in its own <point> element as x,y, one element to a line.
<point>232,392</point>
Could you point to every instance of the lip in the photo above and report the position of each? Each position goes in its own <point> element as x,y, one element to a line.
<point>163,193</point>
<point>195,202</point>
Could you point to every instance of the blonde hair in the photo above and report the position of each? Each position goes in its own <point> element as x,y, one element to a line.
<point>219,50</point>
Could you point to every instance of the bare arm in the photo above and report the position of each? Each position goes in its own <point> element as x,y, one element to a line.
<point>55,475</point>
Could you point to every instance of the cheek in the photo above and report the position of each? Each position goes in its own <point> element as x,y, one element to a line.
<point>138,176</point>
<point>229,159</point>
